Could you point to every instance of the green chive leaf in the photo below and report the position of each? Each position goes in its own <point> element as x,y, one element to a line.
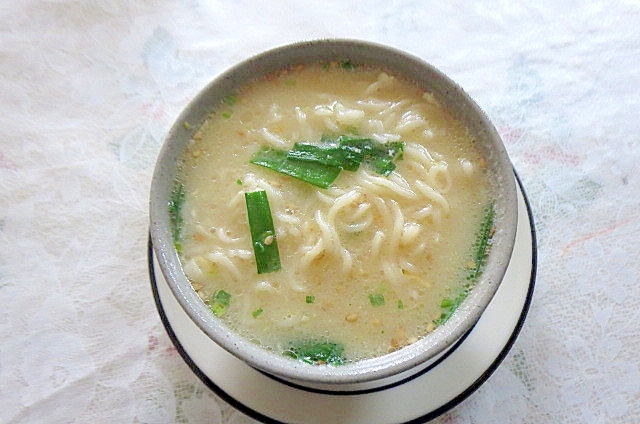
<point>263,235</point>
<point>480,252</point>
<point>330,154</point>
<point>483,243</point>
<point>175,212</point>
<point>317,352</point>
<point>318,174</point>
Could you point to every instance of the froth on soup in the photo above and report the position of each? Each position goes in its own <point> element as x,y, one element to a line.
<point>367,265</point>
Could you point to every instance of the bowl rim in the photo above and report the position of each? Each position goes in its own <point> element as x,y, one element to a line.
<point>451,95</point>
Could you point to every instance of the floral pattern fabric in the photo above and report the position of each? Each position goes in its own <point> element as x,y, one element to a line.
<point>89,88</point>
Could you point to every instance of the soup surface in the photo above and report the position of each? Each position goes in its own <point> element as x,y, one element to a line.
<point>372,261</point>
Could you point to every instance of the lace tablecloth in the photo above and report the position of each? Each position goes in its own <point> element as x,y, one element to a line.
<point>89,88</point>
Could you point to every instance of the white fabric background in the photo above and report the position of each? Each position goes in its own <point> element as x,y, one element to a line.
<point>89,88</point>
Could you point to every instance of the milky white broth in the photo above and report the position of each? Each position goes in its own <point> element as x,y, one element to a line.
<point>364,263</point>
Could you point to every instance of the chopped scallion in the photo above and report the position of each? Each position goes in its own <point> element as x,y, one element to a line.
<point>449,306</point>
<point>347,64</point>
<point>446,303</point>
<point>376,299</point>
<point>231,100</point>
<point>219,302</point>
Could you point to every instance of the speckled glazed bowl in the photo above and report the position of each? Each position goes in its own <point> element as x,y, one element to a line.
<point>371,373</point>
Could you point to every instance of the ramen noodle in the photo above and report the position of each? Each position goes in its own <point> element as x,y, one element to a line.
<point>366,263</point>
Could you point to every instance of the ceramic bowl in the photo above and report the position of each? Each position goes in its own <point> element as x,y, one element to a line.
<point>371,373</point>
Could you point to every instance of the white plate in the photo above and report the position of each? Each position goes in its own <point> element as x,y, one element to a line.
<point>418,399</point>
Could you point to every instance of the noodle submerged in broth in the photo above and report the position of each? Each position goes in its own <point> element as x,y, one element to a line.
<point>371,263</point>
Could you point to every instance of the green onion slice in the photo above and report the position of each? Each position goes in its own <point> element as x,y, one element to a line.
<point>320,163</point>
<point>263,234</point>
<point>330,154</point>
<point>376,299</point>
<point>219,302</point>
<point>380,156</point>
<point>480,252</point>
<point>315,173</point>
<point>483,242</point>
